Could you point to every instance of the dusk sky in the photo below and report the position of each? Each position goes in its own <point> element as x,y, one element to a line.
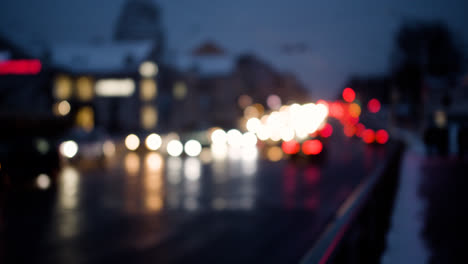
<point>343,37</point>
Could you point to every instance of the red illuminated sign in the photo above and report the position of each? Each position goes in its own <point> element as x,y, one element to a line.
<point>20,67</point>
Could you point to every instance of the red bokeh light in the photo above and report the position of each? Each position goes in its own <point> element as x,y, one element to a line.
<point>291,147</point>
<point>349,131</point>
<point>359,129</point>
<point>336,110</point>
<point>349,95</point>
<point>381,136</point>
<point>312,147</point>
<point>20,67</point>
<point>353,120</point>
<point>373,105</point>
<point>326,131</point>
<point>368,136</point>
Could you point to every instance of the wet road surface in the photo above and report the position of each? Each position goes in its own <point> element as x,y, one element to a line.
<point>146,208</point>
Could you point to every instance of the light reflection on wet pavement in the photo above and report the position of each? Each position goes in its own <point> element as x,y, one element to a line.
<point>143,207</point>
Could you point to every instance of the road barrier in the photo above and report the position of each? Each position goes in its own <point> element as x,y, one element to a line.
<point>356,234</point>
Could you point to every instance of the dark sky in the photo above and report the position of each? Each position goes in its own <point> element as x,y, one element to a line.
<point>343,37</point>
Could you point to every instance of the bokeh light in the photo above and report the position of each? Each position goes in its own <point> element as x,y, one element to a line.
<point>326,131</point>
<point>43,181</point>
<point>132,142</point>
<point>108,148</point>
<point>218,137</point>
<point>349,130</point>
<point>359,129</point>
<point>68,149</point>
<point>349,95</point>
<point>291,147</point>
<point>175,148</point>
<point>253,124</point>
<point>381,136</point>
<point>354,110</point>
<point>153,141</point>
<point>148,69</point>
<point>154,161</point>
<point>234,138</point>
<point>368,136</point>
<point>132,163</point>
<point>249,140</point>
<point>63,108</point>
<point>244,101</point>
<point>274,154</point>
<point>274,102</point>
<point>192,148</point>
<point>373,105</point>
<point>312,147</point>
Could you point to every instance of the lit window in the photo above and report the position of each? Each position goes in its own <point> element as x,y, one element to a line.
<point>149,117</point>
<point>85,118</point>
<point>148,69</point>
<point>148,89</point>
<point>62,87</point>
<point>115,87</point>
<point>180,90</point>
<point>84,90</point>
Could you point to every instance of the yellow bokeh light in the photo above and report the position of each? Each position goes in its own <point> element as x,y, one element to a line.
<point>149,117</point>
<point>154,162</point>
<point>251,112</point>
<point>85,118</point>
<point>274,154</point>
<point>148,89</point>
<point>63,87</point>
<point>84,90</point>
<point>180,90</point>
<point>354,110</point>
<point>132,163</point>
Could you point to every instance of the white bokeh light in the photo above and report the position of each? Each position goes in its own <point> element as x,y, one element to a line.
<point>68,149</point>
<point>175,148</point>
<point>153,142</point>
<point>192,148</point>
<point>219,136</point>
<point>234,138</point>
<point>132,142</point>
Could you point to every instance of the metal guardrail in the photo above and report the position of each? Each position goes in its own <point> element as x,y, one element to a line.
<point>336,230</point>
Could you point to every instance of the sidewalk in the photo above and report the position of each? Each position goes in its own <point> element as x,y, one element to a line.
<point>404,241</point>
<point>428,215</point>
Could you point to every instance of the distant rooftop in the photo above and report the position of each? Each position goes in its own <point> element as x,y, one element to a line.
<point>110,57</point>
<point>208,48</point>
<point>208,59</point>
